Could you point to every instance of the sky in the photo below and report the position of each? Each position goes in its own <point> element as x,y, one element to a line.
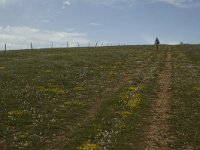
<point>56,22</point>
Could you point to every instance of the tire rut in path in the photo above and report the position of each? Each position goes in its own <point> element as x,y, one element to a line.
<point>157,133</point>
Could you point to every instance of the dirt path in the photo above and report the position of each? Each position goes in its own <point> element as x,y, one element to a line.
<point>157,136</point>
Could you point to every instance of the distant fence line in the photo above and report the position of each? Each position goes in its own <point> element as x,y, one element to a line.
<point>90,44</point>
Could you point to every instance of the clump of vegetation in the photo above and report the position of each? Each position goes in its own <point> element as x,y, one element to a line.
<point>72,104</point>
<point>89,147</point>
<point>14,115</point>
<point>197,88</point>
<point>134,102</point>
<point>79,88</point>
<point>55,89</point>
<point>124,114</point>
<point>133,88</point>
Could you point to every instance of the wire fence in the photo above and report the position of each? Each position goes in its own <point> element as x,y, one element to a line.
<point>5,47</point>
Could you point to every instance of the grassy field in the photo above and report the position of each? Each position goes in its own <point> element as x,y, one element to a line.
<point>186,97</point>
<point>95,98</point>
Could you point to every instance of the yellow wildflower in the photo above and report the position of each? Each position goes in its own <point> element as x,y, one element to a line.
<point>79,88</point>
<point>89,147</point>
<point>17,114</point>
<point>134,102</point>
<point>197,88</point>
<point>52,89</point>
<point>124,114</point>
<point>132,88</point>
<point>120,126</point>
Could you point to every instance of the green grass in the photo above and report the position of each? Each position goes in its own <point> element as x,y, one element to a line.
<point>192,52</point>
<point>186,102</point>
<point>93,97</point>
<point>45,92</point>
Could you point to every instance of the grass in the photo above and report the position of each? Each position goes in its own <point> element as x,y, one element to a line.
<point>93,98</point>
<point>185,108</point>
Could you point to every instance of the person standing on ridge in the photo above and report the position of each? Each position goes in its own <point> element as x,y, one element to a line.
<point>157,42</point>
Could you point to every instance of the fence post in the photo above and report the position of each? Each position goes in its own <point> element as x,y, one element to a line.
<point>89,44</point>
<point>5,48</point>
<point>52,45</point>
<point>97,43</point>
<point>78,44</point>
<point>31,46</point>
<point>67,44</point>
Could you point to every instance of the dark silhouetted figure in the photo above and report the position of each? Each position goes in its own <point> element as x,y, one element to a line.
<point>157,42</point>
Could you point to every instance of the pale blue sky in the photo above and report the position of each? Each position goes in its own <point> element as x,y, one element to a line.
<point>107,21</point>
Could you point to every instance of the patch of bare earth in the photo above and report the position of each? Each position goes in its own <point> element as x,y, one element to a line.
<point>157,132</point>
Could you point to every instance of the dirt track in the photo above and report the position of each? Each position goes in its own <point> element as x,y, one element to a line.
<point>157,135</point>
